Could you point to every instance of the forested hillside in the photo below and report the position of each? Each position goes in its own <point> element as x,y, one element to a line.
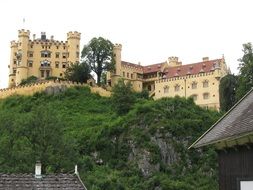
<point>147,148</point>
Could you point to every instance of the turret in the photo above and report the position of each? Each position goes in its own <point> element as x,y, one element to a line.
<point>117,55</point>
<point>173,61</point>
<point>22,55</point>
<point>73,46</point>
<point>13,64</point>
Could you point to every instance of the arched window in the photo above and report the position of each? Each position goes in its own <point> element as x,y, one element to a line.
<point>177,87</point>
<point>206,96</point>
<point>205,84</point>
<point>166,89</point>
<point>194,97</point>
<point>194,85</point>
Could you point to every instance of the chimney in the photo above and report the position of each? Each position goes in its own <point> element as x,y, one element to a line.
<point>34,36</point>
<point>205,58</point>
<point>38,170</point>
<point>76,172</point>
<point>43,36</point>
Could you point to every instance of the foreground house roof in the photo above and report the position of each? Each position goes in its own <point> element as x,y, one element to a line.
<point>234,128</point>
<point>47,182</point>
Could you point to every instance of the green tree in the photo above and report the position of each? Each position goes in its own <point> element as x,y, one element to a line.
<point>227,90</point>
<point>29,80</point>
<point>79,72</point>
<point>123,97</point>
<point>245,79</point>
<point>98,54</point>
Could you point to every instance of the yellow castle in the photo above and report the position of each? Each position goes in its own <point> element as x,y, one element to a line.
<point>41,57</point>
<point>170,78</point>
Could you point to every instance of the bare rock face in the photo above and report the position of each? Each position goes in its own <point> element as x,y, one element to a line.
<point>143,157</point>
<point>167,151</point>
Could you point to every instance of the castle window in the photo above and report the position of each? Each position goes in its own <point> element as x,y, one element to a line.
<point>177,88</point>
<point>205,84</point>
<point>60,74</point>
<point>132,76</point>
<point>123,74</point>
<point>30,54</point>
<point>166,90</point>
<point>57,47</point>
<point>194,97</point>
<point>14,62</point>
<point>14,71</point>
<point>45,54</point>
<point>57,64</point>
<point>42,74</point>
<point>206,96</point>
<point>127,75</point>
<point>64,47</point>
<point>47,73</point>
<point>77,54</point>
<point>31,46</point>
<point>63,65</point>
<point>30,64</point>
<point>194,85</point>
<point>57,55</point>
<point>64,55</point>
<point>77,46</point>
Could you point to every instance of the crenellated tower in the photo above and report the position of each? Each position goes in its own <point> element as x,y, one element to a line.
<point>21,55</point>
<point>13,64</point>
<point>73,39</point>
<point>117,56</point>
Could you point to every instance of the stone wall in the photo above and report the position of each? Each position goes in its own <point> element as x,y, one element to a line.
<point>30,89</point>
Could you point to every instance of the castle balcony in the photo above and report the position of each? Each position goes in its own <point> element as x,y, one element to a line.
<point>47,67</point>
<point>150,79</point>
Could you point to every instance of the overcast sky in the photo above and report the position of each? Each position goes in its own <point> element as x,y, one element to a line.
<point>149,30</point>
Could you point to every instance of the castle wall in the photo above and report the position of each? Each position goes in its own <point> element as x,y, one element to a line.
<point>29,90</point>
<point>205,96</point>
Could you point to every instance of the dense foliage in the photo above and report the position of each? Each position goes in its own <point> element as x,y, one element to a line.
<point>227,90</point>
<point>245,78</point>
<point>29,80</point>
<point>78,72</point>
<point>147,148</point>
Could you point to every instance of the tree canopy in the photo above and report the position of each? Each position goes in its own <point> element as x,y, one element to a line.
<point>227,90</point>
<point>98,54</point>
<point>245,78</point>
<point>78,72</point>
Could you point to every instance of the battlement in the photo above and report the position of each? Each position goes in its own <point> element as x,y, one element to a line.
<point>173,59</point>
<point>30,89</point>
<point>117,46</point>
<point>73,35</point>
<point>24,33</point>
<point>14,44</point>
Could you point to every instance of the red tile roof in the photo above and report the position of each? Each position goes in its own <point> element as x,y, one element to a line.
<point>153,68</point>
<point>195,68</point>
<point>183,70</point>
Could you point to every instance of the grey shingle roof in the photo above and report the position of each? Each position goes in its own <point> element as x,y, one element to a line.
<point>235,123</point>
<point>48,182</point>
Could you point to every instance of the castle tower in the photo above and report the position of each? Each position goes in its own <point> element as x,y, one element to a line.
<point>73,46</point>
<point>117,55</point>
<point>12,65</point>
<point>173,61</point>
<point>22,70</point>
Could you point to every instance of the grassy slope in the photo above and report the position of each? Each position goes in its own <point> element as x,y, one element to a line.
<point>102,142</point>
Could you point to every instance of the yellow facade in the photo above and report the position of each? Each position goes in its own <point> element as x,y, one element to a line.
<point>41,57</point>
<point>170,78</point>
